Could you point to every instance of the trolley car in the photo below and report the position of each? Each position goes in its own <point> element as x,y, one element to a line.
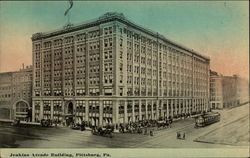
<point>207,119</point>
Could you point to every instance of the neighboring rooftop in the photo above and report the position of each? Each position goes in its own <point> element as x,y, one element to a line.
<point>107,17</point>
<point>23,68</point>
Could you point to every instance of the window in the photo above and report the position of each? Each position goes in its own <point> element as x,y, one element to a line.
<point>107,106</point>
<point>121,41</point>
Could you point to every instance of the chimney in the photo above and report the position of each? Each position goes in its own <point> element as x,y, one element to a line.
<point>23,65</point>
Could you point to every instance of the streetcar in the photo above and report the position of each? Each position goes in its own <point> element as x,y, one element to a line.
<point>207,119</point>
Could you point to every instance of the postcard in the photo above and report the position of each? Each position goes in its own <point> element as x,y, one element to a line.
<point>121,79</point>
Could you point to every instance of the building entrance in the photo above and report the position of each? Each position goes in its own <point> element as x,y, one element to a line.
<point>22,111</point>
<point>70,108</point>
<point>70,115</point>
<point>69,120</point>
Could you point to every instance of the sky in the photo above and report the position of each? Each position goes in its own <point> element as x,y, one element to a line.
<point>218,29</point>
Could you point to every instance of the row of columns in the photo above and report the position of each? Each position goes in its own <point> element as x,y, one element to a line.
<point>167,106</point>
<point>201,105</point>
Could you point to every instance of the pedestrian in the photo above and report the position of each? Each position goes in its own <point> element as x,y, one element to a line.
<point>146,131</point>
<point>55,123</point>
<point>82,126</point>
<point>184,136</point>
<point>177,135</point>
<point>151,133</point>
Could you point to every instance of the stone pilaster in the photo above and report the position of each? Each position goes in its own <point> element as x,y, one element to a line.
<point>115,112</point>
<point>87,67</point>
<point>167,108</point>
<point>133,111</point>
<point>172,107</point>
<point>101,113</point>
<point>146,109</point>
<point>51,109</point>
<point>126,112</point>
<point>33,111</point>
<point>152,109</point>
<point>87,110</point>
<point>140,114</point>
<point>41,109</point>
<point>157,107</point>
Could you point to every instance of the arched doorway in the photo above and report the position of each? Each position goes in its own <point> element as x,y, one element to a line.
<point>22,111</point>
<point>70,108</point>
<point>70,114</point>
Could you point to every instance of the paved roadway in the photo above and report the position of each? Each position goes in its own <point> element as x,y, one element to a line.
<point>231,131</point>
<point>233,128</point>
<point>37,137</point>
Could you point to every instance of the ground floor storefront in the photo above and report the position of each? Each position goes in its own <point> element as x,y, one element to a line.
<point>16,109</point>
<point>98,111</point>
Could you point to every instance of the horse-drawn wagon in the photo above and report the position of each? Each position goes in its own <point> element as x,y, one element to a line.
<point>106,132</point>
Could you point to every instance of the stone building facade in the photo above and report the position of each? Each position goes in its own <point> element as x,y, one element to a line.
<point>227,91</point>
<point>216,90</point>
<point>230,91</point>
<point>5,94</point>
<point>16,93</point>
<point>111,71</point>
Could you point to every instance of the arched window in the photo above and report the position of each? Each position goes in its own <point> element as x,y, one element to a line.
<point>21,106</point>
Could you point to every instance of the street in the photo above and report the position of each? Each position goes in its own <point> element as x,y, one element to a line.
<point>231,131</point>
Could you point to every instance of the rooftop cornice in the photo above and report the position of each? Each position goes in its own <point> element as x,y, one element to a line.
<point>108,17</point>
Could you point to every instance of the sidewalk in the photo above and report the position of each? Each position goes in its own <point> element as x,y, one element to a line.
<point>8,121</point>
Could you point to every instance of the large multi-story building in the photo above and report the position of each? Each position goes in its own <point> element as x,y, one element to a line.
<point>227,91</point>
<point>15,93</point>
<point>111,70</point>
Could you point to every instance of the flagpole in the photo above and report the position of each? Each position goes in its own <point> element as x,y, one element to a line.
<point>68,18</point>
<point>67,13</point>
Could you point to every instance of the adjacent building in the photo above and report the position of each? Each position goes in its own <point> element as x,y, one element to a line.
<point>5,94</point>
<point>216,90</point>
<point>15,93</point>
<point>230,91</point>
<point>227,91</point>
<point>111,71</point>
<point>243,90</point>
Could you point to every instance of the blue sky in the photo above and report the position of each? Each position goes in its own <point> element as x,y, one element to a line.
<point>215,29</point>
